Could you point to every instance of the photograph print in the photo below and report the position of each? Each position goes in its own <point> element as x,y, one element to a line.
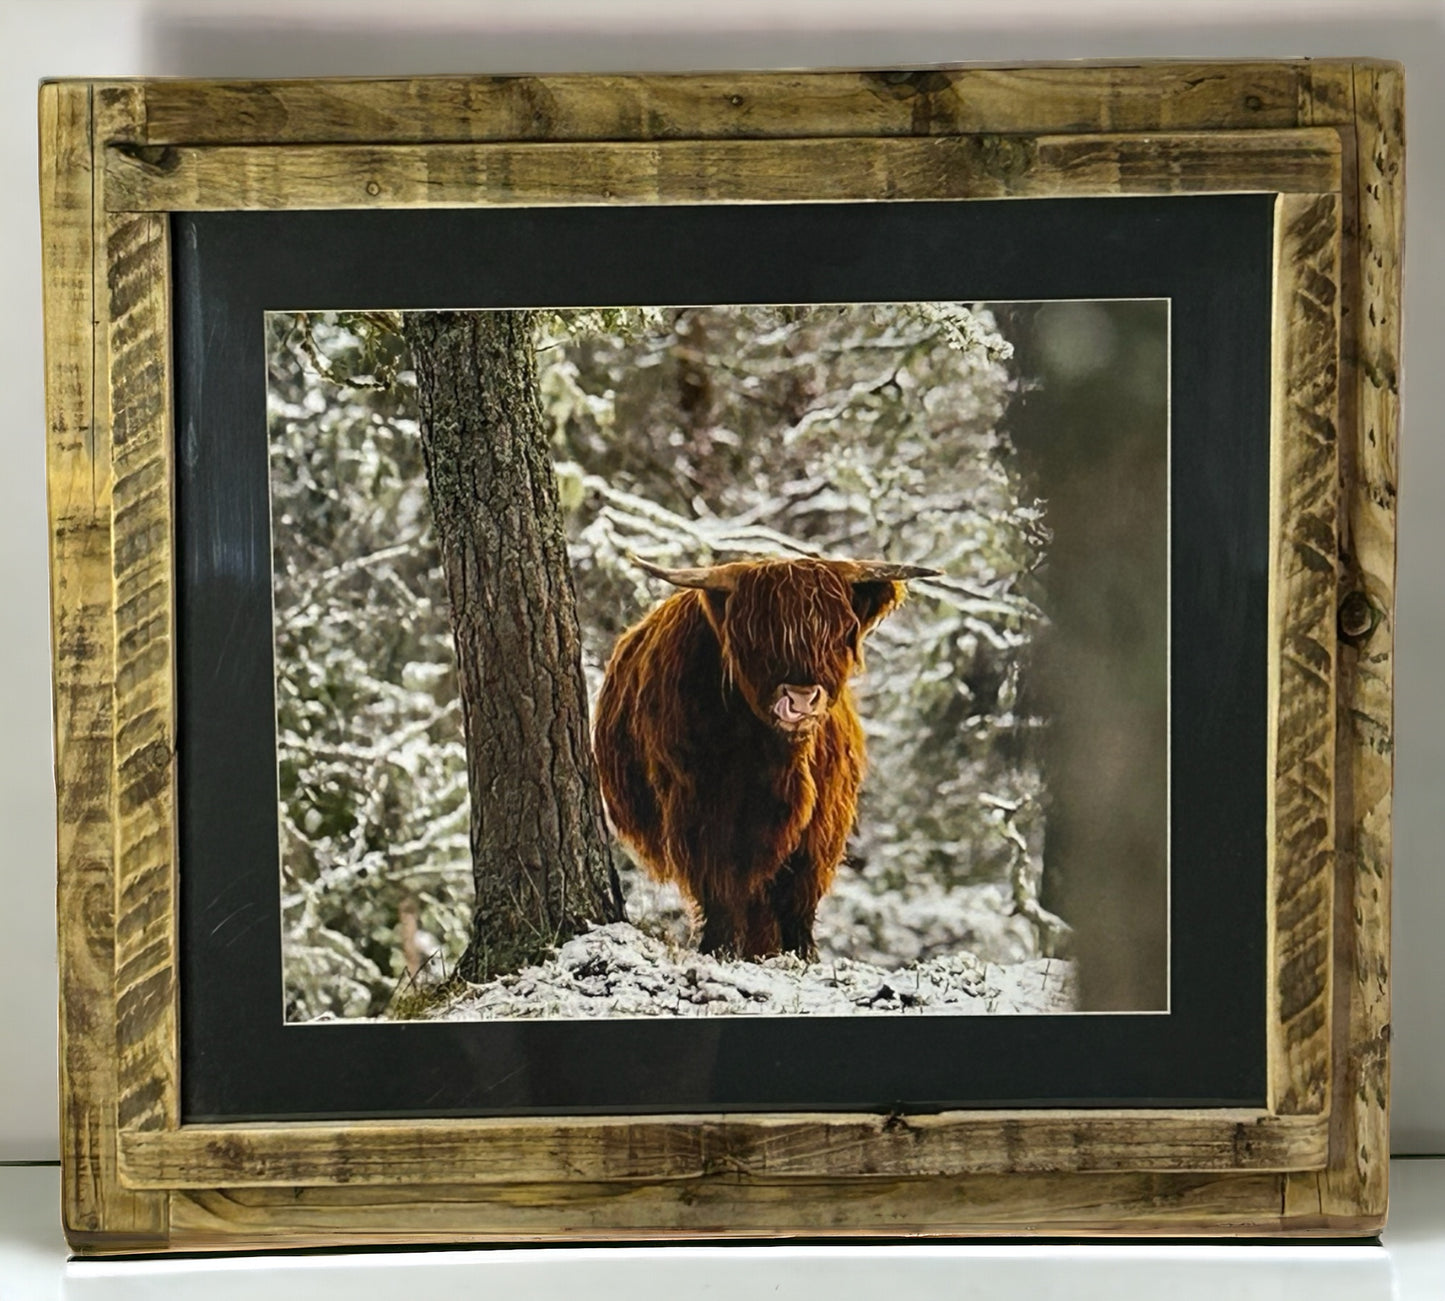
<point>731,660</point>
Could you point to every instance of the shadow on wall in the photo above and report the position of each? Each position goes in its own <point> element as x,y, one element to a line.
<point>574,38</point>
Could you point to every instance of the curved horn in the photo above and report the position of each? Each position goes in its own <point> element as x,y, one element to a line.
<point>878,570</point>
<point>716,578</point>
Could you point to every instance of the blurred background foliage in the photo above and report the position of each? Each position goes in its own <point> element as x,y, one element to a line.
<point>684,436</point>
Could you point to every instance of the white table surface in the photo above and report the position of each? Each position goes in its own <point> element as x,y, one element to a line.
<point>1408,1265</point>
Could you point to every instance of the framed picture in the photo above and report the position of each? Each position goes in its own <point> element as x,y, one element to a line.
<point>782,654</point>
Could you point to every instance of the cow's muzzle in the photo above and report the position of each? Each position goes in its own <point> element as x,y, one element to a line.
<point>798,710</point>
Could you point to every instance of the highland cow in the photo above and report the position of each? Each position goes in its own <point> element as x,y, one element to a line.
<point>728,745</point>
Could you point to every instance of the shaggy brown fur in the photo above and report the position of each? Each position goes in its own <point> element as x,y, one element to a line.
<point>728,745</point>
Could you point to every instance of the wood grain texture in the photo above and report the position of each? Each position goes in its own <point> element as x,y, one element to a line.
<point>138,286</point>
<point>549,1149</point>
<point>118,109</point>
<point>742,105</point>
<point>1304,472</point>
<point>1356,1179</point>
<point>720,1206</point>
<point>1327,93</point>
<point>184,177</point>
<point>1358,1184</point>
<point>95,1208</point>
<point>728,1206</point>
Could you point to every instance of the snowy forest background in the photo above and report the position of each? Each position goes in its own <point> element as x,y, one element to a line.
<point>683,436</point>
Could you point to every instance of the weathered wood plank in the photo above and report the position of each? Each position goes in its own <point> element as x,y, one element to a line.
<point>138,285</point>
<point>1074,97</point>
<point>95,1207</point>
<point>725,1206</point>
<point>1304,475</point>
<point>182,177</point>
<point>688,1147</point>
<point>1357,1177</point>
<point>1327,93</point>
<point>119,110</point>
<point>1360,1182</point>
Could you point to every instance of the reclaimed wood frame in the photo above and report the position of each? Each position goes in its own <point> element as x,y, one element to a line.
<point>117,157</point>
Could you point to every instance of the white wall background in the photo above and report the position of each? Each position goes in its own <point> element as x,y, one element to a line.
<point>260,38</point>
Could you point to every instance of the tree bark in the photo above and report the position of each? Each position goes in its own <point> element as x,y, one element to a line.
<point>540,852</point>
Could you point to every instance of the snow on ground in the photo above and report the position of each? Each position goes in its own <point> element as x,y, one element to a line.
<point>618,970</point>
<point>862,918</point>
<point>923,949</point>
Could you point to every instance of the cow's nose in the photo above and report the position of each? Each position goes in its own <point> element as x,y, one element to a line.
<point>807,700</point>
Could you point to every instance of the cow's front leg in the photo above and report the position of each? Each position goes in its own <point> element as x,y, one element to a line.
<point>722,928</point>
<point>701,865</point>
<point>793,902</point>
<point>763,938</point>
<point>718,934</point>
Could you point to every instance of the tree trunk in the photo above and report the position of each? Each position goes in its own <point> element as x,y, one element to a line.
<point>540,853</point>
<point>1101,670</point>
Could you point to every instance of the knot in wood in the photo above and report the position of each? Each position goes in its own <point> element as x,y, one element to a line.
<point>904,85</point>
<point>1004,157</point>
<point>1358,617</point>
<point>158,158</point>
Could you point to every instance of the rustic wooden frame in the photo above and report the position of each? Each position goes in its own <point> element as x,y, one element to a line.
<point>116,157</point>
